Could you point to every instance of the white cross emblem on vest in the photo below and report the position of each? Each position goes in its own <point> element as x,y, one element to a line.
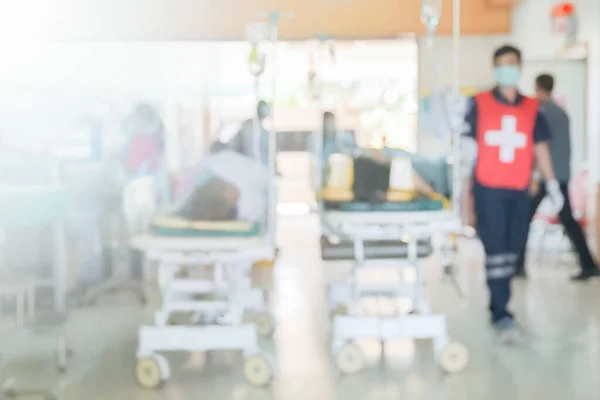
<point>507,139</point>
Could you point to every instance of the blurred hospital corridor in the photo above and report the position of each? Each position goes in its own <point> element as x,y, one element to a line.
<point>300,200</point>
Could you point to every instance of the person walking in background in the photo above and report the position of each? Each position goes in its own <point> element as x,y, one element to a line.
<point>560,151</point>
<point>145,151</point>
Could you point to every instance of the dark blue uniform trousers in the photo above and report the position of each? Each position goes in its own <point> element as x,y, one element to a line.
<point>502,225</point>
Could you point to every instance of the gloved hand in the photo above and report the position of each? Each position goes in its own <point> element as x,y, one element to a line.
<point>556,197</point>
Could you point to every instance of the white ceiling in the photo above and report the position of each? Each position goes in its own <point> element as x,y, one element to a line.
<point>104,20</point>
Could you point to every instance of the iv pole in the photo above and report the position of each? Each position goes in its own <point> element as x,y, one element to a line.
<point>456,132</point>
<point>273,17</point>
<point>430,16</point>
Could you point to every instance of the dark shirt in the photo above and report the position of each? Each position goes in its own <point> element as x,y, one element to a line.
<point>560,145</point>
<point>541,130</point>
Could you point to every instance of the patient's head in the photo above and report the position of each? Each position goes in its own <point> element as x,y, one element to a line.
<point>329,127</point>
<point>216,201</point>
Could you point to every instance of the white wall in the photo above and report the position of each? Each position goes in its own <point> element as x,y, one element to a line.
<point>476,60</point>
<point>531,26</point>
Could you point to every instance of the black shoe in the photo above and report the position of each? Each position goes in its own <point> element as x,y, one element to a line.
<point>521,273</point>
<point>585,275</point>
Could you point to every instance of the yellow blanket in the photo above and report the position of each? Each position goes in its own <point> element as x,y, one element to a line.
<point>180,223</point>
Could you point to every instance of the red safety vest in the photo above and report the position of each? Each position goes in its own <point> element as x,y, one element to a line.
<point>505,142</point>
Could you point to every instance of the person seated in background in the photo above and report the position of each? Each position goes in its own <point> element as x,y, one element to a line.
<point>336,141</point>
<point>145,132</point>
<point>144,154</point>
<point>244,142</point>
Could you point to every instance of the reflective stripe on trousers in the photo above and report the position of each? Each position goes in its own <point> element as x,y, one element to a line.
<point>500,266</point>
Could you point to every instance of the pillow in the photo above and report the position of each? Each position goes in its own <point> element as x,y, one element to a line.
<point>402,175</point>
<point>336,195</point>
<point>340,172</point>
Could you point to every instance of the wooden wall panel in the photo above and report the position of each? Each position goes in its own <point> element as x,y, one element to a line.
<point>226,19</point>
<point>503,3</point>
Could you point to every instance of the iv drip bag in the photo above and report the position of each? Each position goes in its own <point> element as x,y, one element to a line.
<point>255,34</point>
<point>431,11</point>
<point>256,61</point>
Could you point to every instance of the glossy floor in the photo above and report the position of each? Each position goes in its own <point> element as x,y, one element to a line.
<point>559,358</point>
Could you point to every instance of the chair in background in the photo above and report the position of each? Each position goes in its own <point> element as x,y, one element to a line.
<point>138,206</point>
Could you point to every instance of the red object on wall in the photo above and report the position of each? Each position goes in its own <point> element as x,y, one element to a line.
<point>564,9</point>
<point>564,21</point>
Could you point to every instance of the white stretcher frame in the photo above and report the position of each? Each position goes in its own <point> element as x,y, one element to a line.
<point>409,227</point>
<point>230,255</point>
<point>350,324</point>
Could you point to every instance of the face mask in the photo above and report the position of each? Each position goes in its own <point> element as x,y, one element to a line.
<point>507,75</point>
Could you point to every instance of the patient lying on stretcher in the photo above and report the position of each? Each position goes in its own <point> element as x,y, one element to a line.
<point>225,186</point>
<point>360,174</point>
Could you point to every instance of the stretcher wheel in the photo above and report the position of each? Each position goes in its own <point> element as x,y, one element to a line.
<point>265,324</point>
<point>350,359</point>
<point>152,372</point>
<point>258,370</point>
<point>454,358</point>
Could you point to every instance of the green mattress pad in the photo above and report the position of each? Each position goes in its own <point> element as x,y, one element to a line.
<point>405,206</point>
<point>187,232</point>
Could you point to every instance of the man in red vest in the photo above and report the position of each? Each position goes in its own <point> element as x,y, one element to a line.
<point>511,134</point>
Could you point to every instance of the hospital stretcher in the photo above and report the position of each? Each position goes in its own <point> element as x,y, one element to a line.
<point>412,228</point>
<point>220,303</point>
<point>410,225</point>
